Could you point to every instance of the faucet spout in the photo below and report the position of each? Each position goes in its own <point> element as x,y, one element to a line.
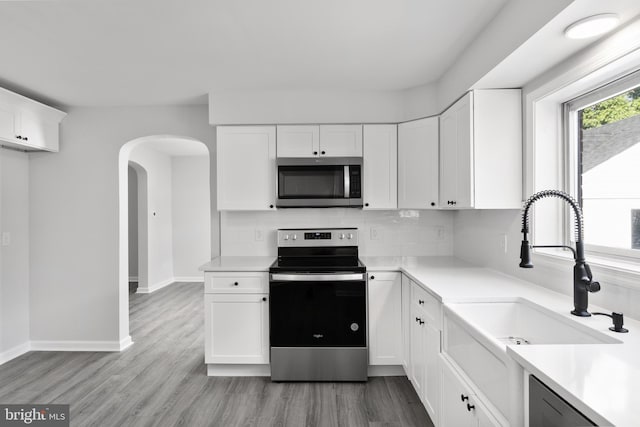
<point>583,282</point>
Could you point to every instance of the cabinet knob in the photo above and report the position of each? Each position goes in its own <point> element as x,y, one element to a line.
<point>315,153</point>
<point>323,152</point>
<point>463,397</point>
<point>25,138</point>
<point>18,137</point>
<point>372,277</point>
<point>270,206</point>
<point>264,298</point>
<point>433,203</point>
<point>470,407</point>
<point>366,204</point>
<point>235,283</point>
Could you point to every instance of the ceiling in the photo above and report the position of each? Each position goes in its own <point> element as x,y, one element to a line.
<point>155,52</point>
<point>176,147</point>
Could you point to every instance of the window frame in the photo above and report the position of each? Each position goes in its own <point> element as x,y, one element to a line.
<point>572,153</point>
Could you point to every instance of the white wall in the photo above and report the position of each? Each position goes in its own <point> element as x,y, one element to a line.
<point>133,224</point>
<point>159,215</point>
<point>394,233</point>
<point>14,258</point>
<point>191,218</point>
<point>74,223</point>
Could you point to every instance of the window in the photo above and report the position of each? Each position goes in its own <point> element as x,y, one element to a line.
<point>603,132</point>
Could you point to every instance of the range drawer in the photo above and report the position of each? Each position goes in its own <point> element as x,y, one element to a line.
<point>236,283</point>
<point>427,302</point>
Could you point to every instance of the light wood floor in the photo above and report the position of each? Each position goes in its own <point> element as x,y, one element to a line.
<point>161,381</point>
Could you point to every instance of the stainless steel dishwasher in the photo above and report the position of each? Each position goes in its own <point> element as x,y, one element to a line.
<point>547,409</point>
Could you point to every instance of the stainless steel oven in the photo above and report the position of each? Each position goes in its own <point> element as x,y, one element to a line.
<point>318,307</point>
<point>319,182</point>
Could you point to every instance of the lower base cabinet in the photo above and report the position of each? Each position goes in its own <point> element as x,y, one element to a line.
<point>385,318</point>
<point>236,328</point>
<point>460,406</point>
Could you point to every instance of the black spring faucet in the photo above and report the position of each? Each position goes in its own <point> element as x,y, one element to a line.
<point>582,278</point>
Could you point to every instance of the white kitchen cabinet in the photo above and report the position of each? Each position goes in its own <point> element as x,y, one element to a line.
<point>380,166</point>
<point>385,318</point>
<point>481,151</point>
<point>406,325</point>
<point>298,141</point>
<point>425,348</point>
<point>246,167</point>
<point>28,125</point>
<point>460,406</point>
<point>236,328</point>
<point>418,164</point>
<point>341,140</point>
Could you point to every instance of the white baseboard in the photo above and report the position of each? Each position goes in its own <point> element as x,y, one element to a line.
<point>126,343</point>
<point>214,370</point>
<point>14,352</point>
<point>154,287</point>
<point>190,279</point>
<point>386,371</point>
<point>80,345</point>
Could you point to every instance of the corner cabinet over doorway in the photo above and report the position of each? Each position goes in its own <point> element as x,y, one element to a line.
<point>28,125</point>
<point>246,167</point>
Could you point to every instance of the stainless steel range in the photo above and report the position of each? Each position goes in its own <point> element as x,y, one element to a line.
<point>318,307</point>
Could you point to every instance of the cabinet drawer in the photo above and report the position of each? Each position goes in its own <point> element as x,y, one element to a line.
<point>428,303</point>
<point>246,283</point>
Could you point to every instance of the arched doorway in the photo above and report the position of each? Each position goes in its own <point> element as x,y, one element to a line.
<point>162,163</point>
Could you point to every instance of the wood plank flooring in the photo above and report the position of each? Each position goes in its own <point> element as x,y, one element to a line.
<point>161,381</point>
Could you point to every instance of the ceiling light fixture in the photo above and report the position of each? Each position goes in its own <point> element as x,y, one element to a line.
<point>592,26</point>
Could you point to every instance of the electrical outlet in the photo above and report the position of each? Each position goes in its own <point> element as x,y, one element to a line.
<point>374,235</point>
<point>259,235</point>
<point>6,238</point>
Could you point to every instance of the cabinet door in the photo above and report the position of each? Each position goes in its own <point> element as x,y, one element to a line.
<point>406,325</point>
<point>298,141</point>
<point>456,155</point>
<point>380,166</point>
<point>8,121</point>
<point>418,362</point>
<point>432,371</point>
<point>418,164</point>
<point>38,132</point>
<point>455,397</point>
<point>385,319</point>
<point>341,140</point>
<point>236,328</point>
<point>246,167</point>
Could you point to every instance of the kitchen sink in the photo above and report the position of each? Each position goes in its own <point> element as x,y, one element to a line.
<point>522,322</point>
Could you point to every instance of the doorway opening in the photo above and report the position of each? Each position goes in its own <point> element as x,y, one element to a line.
<point>165,216</point>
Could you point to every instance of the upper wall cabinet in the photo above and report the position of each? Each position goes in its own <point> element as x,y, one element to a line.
<point>418,164</point>
<point>246,167</point>
<point>481,151</point>
<point>317,141</point>
<point>28,125</point>
<point>380,167</point>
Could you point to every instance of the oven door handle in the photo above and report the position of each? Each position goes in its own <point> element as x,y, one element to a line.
<point>279,277</point>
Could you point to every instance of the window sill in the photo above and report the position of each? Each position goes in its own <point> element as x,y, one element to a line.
<point>605,269</point>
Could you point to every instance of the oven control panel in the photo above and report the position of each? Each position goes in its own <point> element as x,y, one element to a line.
<point>288,237</point>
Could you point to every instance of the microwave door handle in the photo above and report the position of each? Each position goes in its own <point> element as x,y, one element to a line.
<point>347,182</point>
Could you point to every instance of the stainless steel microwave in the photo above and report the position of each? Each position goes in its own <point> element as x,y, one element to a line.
<point>319,182</point>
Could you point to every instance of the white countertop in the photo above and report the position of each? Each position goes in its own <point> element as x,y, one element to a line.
<point>239,263</point>
<point>602,381</point>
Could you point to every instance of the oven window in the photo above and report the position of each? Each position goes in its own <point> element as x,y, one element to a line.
<point>317,182</point>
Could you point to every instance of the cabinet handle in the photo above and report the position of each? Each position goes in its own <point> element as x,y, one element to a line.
<point>315,153</point>
<point>323,152</point>
<point>470,407</point>
<point>25,138</point>
<point>463,397</point>
<point>421,322</point>
<point>417,319</point>
<point>264,298</point>
<point>372,277</point>
<point>18,137</point>
<point>235,283</point>
<point>420,302</point>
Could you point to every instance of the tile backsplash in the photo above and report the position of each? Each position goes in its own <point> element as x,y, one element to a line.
<point>392,233</point>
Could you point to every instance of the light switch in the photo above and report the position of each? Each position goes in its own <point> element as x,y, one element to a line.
<point>6,238</point>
